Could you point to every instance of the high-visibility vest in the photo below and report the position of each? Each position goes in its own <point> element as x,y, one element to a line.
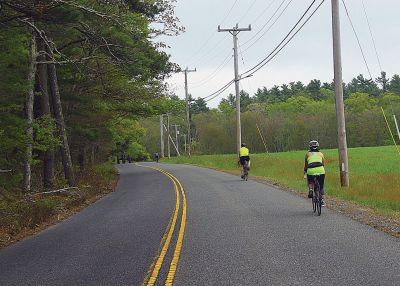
<point>244,152</point>
<point>315,157</point>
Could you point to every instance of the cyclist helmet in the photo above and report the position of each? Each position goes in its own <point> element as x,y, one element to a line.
<point>314,145</point>
<point>243,145</point>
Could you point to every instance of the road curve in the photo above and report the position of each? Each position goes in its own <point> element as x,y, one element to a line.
<point>112,242</point>
<point>237,233</point>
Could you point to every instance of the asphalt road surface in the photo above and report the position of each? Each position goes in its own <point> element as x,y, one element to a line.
<point>235,233</point>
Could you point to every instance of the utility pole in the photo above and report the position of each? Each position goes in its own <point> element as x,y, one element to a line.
<point>176,136</point>
<point>169,135</point>
<point>186,71</point>
<point>172,141</point>
<point>340,118</point>
<point>234,32</point>
<point>162,136</point>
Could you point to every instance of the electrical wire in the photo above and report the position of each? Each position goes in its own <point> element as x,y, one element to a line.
<point>218,92</point>
<point>372,36</point>
<point>263,11</point>
<point>358,40</point>
<point>213,34</point>
<point>244,65</point>
<point>266,60</point>
<point>284,39</point>
<point>298,30</point>
<point>247,11</point>
<point>229,12</point>
<point>203,81</point>
<point>269,20</point>
<point>270,27</point>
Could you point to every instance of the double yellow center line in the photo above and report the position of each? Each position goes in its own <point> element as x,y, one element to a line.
<point>154,269</point>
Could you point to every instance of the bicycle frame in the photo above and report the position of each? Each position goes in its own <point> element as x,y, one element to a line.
<point>316,200</point>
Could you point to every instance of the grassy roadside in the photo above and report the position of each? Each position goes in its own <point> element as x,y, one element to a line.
<point>374,174</point>
<point>22,215</point>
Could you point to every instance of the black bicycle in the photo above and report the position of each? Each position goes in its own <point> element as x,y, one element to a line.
<point>317,197</point>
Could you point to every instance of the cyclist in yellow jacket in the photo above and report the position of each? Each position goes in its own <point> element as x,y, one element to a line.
<point>313,166</point>
<point>244,158</point>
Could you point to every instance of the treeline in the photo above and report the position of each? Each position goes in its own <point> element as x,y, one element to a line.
<point>287,117</point>
<point>75,77</point>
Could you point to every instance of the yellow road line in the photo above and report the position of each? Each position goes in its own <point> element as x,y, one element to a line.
<point>161,256</point>
<point>178,248</point>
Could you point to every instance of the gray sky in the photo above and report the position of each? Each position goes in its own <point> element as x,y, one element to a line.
<point>306,57</point>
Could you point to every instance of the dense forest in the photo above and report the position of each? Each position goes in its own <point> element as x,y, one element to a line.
<point>75,77</point>
<point>287,117</point>
<point>83,82</point>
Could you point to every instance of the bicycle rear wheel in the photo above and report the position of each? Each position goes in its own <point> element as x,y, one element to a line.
<point>245,171</point>
<point>314,203</point>
<point>318,201</point>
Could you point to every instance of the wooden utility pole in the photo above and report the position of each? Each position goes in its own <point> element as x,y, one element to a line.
<point>176,136</point>
<point>186,71</point>
<point>162,136</point>
<point>234,32</point>
<point>340,118</point>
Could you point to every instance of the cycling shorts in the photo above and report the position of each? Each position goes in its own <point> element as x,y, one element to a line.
<point>243,159</point>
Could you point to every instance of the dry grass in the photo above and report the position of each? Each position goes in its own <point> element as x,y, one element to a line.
<point>22,215</point>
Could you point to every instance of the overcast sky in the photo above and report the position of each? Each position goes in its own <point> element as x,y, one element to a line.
<point>308,56</point>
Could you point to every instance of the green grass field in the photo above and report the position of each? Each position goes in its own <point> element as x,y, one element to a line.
<point>374,173</point>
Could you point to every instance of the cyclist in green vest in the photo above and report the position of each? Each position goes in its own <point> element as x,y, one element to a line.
<point>244,158</point>
<point>313,166</point>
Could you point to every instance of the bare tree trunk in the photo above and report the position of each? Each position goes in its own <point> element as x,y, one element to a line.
<point>48,155</point>
<point>29,113</point>
<point>82,158</point>
<point>56,100</point>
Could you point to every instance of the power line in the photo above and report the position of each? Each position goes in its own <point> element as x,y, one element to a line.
<point>269,20</point>
<point>289,40</point>
<point>263,11</point>
<point>358,40</point>
<point>244,65</point>
<point>229,12</point>
<point>270,27</point>
<point>284,39</point>
<point>372,36</point>
<point>271,55</point>
<point>219,91</point>
<point>203,81</point>
<point>213,34</point>
<point>247,11</point>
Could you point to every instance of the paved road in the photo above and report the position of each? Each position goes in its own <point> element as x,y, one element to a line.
<point>237,233</point>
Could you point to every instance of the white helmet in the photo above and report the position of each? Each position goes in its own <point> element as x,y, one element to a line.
<point>314,145</point>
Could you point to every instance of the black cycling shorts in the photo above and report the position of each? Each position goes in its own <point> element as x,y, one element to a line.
<point>321,181</point>
<point>243,159</point>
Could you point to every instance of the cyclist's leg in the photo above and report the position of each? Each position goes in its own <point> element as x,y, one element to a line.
<point>310,180</point>
<point>246,167</point>
<point>321,181</point>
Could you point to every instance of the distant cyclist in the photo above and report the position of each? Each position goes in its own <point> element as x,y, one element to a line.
<point>313,166</point>
<point>244,159</point>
